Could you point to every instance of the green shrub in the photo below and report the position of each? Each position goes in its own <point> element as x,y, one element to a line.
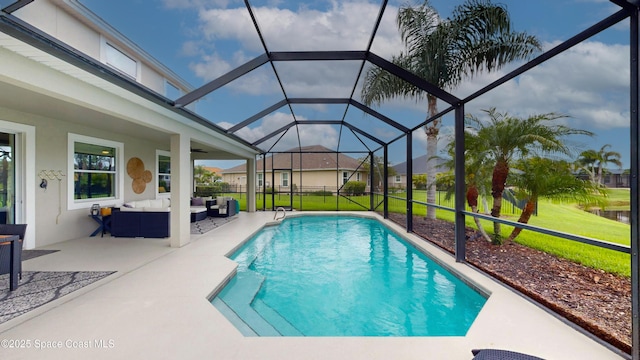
<point>204,191</point>
<point>213,190</point>
<point>354,188</point>
<point>321,193</point>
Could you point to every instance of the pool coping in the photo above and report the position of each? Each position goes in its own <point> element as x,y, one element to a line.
<point>157,308</point>
<point>435,253</point>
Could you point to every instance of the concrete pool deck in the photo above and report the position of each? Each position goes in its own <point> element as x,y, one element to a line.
<point>156,307</point>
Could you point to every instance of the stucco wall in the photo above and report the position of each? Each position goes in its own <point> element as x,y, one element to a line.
<point>59,23</point>
<point>54,222</point>
<point>311,178</point>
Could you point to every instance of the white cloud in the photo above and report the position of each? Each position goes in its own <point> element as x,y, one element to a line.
<point>211,67</point>
<point>189,4</point>
<point>286,30</point>
<point>229,24</point>
<point>269,124</point>
<point>336,28</point>
<point>309,134</point>
<point>589,83</point>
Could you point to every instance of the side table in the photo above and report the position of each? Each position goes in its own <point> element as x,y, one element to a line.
<point>104,224</point>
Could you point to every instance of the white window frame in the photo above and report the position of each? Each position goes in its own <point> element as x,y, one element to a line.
<point>284,177</point>
<point>106,46</point>
<point>345,177</point>
<point>158,174</point>
<point>358,176</point>
<point>74,204</point>
<point>398,178</point>
<point>260,179</point>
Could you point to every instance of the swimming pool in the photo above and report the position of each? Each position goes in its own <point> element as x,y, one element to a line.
<point>343,276</point>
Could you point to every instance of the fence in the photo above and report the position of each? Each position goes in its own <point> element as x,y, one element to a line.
<point>326,196</point>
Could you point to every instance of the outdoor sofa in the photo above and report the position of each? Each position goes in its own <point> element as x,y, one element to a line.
<point>143,218</point>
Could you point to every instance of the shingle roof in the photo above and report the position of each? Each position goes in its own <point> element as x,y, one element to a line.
<point>419,166</point>
<point>315,157</point>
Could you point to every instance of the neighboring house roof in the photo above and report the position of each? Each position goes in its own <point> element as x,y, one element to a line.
<point>215,170</point>
<point>315,157</point>
<point>616,171</point>
<point>419,166</point>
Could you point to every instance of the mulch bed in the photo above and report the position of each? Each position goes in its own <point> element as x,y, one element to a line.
<point>595,300</point>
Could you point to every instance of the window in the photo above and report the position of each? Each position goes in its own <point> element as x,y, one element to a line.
<point>95,165</point>
<point>260,180</point>
<point>164,172</point>
<point>284,179</point>
<point>358,176</point>
<point>171,91</point>
<point>119,60</point>
<point>398,178</point>
<point>345,177</point>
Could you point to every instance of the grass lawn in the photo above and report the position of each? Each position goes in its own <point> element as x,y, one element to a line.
<point>618,199</point>
<point>566,218</point>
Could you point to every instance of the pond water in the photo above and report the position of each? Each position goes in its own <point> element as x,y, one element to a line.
<point>617,215</point>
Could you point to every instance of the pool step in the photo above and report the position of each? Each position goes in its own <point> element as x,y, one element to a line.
<point>250,283</point>
<point>231,315</point>
<point>238,300</point>
<point>235,302</point>
<point>274,318</point>
<point>245,319</point>
<point>249,254</point>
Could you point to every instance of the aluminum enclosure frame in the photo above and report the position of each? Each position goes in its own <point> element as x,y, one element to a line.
<point>629,9</point>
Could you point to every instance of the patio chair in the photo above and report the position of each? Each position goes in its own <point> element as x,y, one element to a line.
<point>221,206</point>
<point>5,247</point>
<point>495,354</point>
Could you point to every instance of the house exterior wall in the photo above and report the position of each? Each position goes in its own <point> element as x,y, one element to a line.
<point>317,179</point>
<point>616,180</point>
<point>55,223</point>
<point>64,21</point>
<point>394,182</point>
<point>53,99</point>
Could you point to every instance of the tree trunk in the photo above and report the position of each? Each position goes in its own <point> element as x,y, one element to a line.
<point>528,210</point>
<point>498,182</point>
<point>432,131</point>
<point>472,200</point>
<point>485,205</point>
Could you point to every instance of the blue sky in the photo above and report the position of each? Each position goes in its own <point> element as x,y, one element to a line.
<point>203,39</point>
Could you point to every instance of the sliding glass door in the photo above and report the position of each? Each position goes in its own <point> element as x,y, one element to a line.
<point>7,178</point>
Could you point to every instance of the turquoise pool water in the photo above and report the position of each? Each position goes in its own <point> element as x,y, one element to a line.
<point>343,276</point>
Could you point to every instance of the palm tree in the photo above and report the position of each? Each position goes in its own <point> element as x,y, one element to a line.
<point>477,37</point>
<point>202,175</point>
<point>541,177</point>
<point>594,161</point>
<point>477,169</point>
<point>507,138</point>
